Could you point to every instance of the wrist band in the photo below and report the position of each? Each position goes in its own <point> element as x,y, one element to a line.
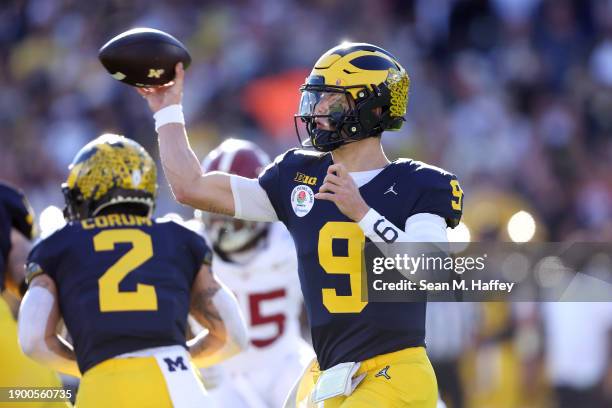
<point>169,114</point>
<point>368,221</point>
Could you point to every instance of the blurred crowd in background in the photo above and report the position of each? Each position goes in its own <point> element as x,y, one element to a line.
<point>513,96</point>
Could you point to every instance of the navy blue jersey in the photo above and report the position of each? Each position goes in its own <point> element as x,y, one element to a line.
<point>15,212</point>
<point>123,281</point>
<point>329,248</point>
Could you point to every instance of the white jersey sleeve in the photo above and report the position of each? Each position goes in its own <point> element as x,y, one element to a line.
<point>251,201</point>
<point>425,227</point>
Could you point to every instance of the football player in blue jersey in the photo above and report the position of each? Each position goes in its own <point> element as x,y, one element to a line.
<point>124,284</point>
<point>333,198</point>
<point>17,228</point>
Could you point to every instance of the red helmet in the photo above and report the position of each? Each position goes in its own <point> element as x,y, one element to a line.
<point>243,158</point>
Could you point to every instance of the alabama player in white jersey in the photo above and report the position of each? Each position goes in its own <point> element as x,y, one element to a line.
<point>257,261</point>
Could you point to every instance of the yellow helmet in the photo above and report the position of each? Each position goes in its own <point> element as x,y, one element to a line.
<point>107,171</point>
<point>342,94</point>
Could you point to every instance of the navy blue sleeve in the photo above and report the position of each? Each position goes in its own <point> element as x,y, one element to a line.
<point>270,180</point>
<point>17,207</point>
<point>200,251</point>
<point>440,194</point>
<point>43,258</point>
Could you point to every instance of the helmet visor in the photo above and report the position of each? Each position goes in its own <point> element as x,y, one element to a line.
<point>327,109</point>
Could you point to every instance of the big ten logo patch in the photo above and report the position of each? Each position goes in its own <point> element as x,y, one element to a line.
<point>177,363</point>
<point>303,178</point>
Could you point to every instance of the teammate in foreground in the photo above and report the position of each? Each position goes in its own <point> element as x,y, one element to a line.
<point>258,263</point>
<point>16,229</point>
<point>332,200</point>
<point>124,284</point>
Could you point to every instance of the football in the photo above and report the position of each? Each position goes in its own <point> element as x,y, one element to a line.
<point>143,57</point>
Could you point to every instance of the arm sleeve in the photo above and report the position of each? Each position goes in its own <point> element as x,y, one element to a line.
<point>425,227</point>
<point>424,234</point>
<point>34,315</point>
<point>251,201</point>
<point>422,227</point>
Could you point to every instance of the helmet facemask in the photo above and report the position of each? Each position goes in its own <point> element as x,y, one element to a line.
<point>327,116</point>
<point>78,208</point>
<point>230,235</point>
<point>334,115</point>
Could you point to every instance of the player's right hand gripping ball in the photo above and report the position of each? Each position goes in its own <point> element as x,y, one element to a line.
<point>143,57</point>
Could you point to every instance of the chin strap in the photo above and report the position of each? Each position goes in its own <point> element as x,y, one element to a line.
<point>326,140</point>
